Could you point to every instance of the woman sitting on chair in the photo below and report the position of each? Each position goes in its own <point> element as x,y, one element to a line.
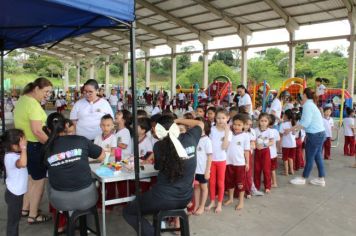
<point>66,156</point>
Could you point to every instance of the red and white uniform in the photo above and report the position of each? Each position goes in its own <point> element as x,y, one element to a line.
<point>349,146</point>
<point>236,163</point>
<point>288,141</point>
<point>204,149</point>
<point>328,125</point>
<point>263,158</point>
<point>218,165</point>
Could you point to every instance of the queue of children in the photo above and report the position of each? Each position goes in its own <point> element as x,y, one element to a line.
<point>232,155</point>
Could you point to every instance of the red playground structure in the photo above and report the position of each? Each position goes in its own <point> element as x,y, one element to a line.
<point>219,89</point>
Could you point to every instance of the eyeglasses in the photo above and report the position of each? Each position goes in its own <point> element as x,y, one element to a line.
<point>89,91</point>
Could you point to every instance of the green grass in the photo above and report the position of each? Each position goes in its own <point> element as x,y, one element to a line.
<point>20,80</point>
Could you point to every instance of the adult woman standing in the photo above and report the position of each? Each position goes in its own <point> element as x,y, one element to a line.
<point>245,102</point>
<point>30,117</point>
<point>312,122</point>
<point>69,175</point>
<point>87,112</point>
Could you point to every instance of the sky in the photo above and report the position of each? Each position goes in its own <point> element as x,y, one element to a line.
<point>304,32</point>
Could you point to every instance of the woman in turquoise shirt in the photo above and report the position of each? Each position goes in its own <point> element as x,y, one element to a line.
<point>312,123</point>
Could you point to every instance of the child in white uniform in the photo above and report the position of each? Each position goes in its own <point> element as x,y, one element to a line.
<point>123,136</point>
<point>220,137</point>
<point>202,172</point>
<point>237,162</point>
<point>13,149</point>
<point>289,144</point>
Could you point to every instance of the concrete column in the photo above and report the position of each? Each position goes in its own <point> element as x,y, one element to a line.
<point>243,62</point>
<point>126,72</point>
<point>107,76</point>
<point>92,69</point>
<point>148,68</point>
<point>77,82</point>
<point>66,77</point>
<point>174,72</point>
<point>291,46</point>
<point>351,63</point>
<point>205,65</point>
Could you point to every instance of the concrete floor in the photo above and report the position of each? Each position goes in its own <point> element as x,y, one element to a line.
<point>288,210</point>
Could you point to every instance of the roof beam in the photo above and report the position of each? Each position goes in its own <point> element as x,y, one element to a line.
<point>171,41</point>
<point>77,51</point>
<point>201,34</point>
<point>92,47</point>
<point>351,11</point>
<point>61,57</point>
<point>56,51</point>
<point>241,29</point>
<point>291,23</point>
<point>108,42</point>
<point>127,36</point>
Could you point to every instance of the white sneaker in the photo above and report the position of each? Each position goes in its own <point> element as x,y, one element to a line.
<point>297,181</point>
<point>257,193</point>
<point>318,182</point>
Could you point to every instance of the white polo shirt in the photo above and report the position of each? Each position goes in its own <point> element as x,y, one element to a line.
<point>113,99</point>
<point>320,90</point>
<point>237,147</point>
<point>145,146</point>
<point>106,142</point>
<point>88,116</point>
<point>16,178</point>
<point>288,140</point>
<point>204,148</point>
<point>328,124</point>
<point>123,136</point>
<point>217,137</point>
<point>276,106</point>
<point>349,123</point>
<point>245,100</point>
<point>273,148</point>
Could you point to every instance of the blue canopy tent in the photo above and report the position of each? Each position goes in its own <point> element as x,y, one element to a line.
<point>25,23</point>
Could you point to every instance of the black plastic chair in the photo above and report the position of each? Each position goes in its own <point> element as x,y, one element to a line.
<point>183,219</point>
<point>83,227</point>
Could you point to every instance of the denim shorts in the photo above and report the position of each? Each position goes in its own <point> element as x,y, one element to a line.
<point>35,164</point>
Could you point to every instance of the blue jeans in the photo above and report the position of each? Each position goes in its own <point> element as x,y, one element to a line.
<point>313,152</point>
<point>114,109</point>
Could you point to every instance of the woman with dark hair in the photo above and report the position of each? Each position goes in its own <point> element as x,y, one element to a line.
<point>245,102</point>
<point>312,122</point>
<point>175,159</point>
<point>66,156</point>
<point>30,117</point>
<point>87,112</point>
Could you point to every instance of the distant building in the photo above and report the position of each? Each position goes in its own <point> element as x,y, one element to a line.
<point>312,52</point>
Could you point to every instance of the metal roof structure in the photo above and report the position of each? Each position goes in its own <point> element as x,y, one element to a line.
<point>171,22</point>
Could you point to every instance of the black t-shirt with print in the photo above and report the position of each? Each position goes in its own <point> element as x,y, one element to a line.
<point>181,189</point>
<point>68,165</point>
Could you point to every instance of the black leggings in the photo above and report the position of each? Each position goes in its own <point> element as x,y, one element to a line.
<point>14,206</point>
<point>150,204</point>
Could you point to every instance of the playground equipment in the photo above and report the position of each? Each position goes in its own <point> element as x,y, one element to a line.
<point>219,89</point>
<point>294,86</point>
<point>256,91</point>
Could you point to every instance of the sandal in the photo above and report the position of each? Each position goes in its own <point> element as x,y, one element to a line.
<point>25,213</point>
<point>39,219</point>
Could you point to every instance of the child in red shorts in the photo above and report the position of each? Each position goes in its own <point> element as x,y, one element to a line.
<point>237,160</point>
<point>288,141</point>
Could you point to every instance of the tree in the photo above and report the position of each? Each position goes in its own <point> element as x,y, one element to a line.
<point>299,50</point>
<point>184,61</point>
<point>260,69</point>
<point>225,56</point>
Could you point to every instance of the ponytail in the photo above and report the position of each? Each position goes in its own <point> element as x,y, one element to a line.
<point>56,123</point>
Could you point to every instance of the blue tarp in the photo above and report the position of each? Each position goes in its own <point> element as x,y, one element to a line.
<point>25,23</point>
